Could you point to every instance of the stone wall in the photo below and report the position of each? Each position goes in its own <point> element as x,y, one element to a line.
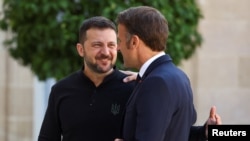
<point>16,95</point>
<point>16,87</point>
<point>220,70</point>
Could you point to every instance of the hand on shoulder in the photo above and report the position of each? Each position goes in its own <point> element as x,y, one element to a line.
<point>131,75</point>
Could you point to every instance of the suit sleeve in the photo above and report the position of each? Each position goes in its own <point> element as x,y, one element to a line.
<point>154,112</point>
<point>197,133</point>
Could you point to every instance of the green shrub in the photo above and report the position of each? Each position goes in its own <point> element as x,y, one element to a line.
<point>45,31</point>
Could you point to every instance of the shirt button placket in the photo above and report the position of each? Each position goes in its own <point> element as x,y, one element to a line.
<point>92,98</point>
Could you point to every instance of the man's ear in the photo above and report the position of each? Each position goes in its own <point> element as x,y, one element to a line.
<point>80,49</point>
<point>135,40</point>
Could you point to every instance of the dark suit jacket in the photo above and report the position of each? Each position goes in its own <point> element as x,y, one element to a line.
<point>161,106</point>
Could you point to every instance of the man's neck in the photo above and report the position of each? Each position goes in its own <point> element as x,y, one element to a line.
<point>96,78</point>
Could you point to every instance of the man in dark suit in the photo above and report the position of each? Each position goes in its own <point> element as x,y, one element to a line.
<point>161,106</point>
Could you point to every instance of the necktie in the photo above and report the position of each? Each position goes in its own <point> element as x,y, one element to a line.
<point>138,79</point>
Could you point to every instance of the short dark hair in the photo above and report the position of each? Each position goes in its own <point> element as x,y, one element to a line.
<point>147,23</point>
<point>99,22</point>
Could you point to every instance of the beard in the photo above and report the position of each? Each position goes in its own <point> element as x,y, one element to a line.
<point>98,68</point>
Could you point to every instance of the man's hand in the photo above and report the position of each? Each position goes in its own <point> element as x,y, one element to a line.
<point>131,76</point>
<point>118,140</point>
<point>214,119</point>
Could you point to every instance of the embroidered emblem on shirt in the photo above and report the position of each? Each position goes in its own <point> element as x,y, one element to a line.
<point>115,109</point>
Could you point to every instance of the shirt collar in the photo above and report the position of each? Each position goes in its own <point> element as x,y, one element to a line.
<point>148,62</point>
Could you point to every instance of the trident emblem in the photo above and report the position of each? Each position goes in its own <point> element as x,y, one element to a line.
<point>115,109</point>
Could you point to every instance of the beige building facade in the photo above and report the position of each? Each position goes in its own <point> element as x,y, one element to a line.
<point>219,72</point>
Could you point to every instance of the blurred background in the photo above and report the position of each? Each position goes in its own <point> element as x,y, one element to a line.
<point>219,71</point>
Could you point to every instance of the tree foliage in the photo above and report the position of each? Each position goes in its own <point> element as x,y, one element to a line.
<point>45,32</point>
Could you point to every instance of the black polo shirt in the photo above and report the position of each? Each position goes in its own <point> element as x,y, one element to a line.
<point>80,111</point>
